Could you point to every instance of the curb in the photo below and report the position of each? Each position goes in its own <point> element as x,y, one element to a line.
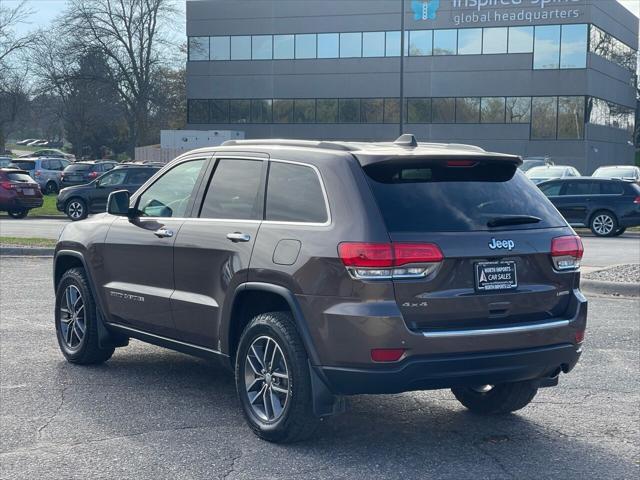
<point>26,252</point>
<point>38,217</point>
<point>599,287</point>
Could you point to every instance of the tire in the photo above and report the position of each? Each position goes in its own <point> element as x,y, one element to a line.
<point>51,187</point>
<point>77,332</point>
<point>619,232</point>
<point>500,399</point>
<point>604,224</point>
<point>18,213</point>
<point>288,417</point>
<point>76,209</point>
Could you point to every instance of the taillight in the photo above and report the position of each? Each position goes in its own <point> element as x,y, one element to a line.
<point>637,200</point>
<point>580,336</point>
<point>8,186</point>
<point>386,354</point>
<point>38,173</point>
<point>566,252</point>
<point>390,260</point>
<point>93,174</point>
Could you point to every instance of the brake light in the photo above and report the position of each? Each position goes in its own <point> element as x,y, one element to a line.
<point>38,173</point>
<point>637,200</point>
<point>389,260</point>
<point>580,336</point>
<point>461,163</point>
<point>386,354</point>
<point>93,174</point>
<point>566,252</point>
<point>8,186</point>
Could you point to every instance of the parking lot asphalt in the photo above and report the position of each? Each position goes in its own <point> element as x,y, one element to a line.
<point>152,413</point>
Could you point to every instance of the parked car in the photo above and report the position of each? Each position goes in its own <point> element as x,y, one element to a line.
<point>79,201</point>
<point>46,171</point>
<point>324,269</point>
<point>19,193</point>
<point>50,152</point>
<point>623,172</point>
<point>607,206</point>
<point>34,142</point>
<point>529,162</point>
<point>26,141</point>
<point>541,174</point>
<point>80,173</point>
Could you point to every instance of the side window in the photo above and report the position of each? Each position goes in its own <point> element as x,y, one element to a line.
<point>169,195</point>
<point>138,177</point>
<point>113,178</point>
<point>44,164</point>
<point>611,188</point>
<point>294,194</point>
<point>581,188</point>
<point>234,191</point>
<point>105,167</point>
<point>55,165</point>
<point>552,189</point>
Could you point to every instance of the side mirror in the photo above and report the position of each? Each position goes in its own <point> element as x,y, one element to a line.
<point>118,203</point>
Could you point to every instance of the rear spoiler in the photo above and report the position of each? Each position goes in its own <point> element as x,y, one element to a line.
<point>454,159</point>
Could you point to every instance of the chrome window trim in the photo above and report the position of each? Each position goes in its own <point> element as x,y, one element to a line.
<point>496,331</point>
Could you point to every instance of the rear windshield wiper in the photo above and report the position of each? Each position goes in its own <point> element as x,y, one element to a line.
<point>512,220</point>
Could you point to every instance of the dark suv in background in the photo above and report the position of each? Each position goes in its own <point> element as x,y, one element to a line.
<point>79,173</point>
<point>321,269</point>
<point>81,200</point>
<point>607,206</point>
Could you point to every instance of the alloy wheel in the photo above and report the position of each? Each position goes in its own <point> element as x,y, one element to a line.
<point>73,323</point>
<point>266,378</point>
<point>603,224</point>
<point>76,210</point>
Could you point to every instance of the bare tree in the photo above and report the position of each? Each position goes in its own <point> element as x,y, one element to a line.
<point>130,35</point>
<point>12,76</point>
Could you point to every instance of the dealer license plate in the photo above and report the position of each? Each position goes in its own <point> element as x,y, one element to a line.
<point>496,275</point>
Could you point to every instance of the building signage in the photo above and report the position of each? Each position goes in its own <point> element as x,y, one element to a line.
<point>469,12</point>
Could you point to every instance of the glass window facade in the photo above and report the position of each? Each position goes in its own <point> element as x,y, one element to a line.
<point>607,46</point>
<point>198,48</point>
<point>494,40</point>
<point>420,42</point>
<point>373,44</point>
<point>283,47</point>
<point>553,46</point>
<point>262,47</point>
<point>550,118</point>
<point>470,41</point>
<point>546,47</point>
<point>220,48</point>
<point>328,45</point>
<point>350,45</point>
<point>520,40</point>
<point>241,48</point>
<point>305,46</point>
<point>445,42</point>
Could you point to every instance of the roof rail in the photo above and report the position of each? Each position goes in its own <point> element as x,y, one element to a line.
<point>291,143</point>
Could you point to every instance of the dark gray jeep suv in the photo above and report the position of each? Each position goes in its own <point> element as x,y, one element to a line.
<point>318,270</point>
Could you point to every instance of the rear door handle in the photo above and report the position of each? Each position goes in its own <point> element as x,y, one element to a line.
<point>238,237</point>
<point>163,233</point>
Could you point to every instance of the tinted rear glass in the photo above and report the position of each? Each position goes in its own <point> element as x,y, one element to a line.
<point>79,167</point>
<point>294,194</point>
<point>25,164</point>
<point>19,177</point>
<point>435,198</point>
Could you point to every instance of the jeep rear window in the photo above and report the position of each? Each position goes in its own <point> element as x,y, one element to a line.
<point>439,198</point>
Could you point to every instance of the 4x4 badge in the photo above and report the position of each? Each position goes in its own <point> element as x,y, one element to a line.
<point>508,244</point>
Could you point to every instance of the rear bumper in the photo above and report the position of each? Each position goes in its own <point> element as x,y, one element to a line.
<point>19,203</point>
<point>455,370</point>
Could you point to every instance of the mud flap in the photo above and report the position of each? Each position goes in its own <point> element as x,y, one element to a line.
<point>325,403</point>
<point>106,338</point>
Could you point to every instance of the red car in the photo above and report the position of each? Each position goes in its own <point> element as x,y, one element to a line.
<point>19,193</point>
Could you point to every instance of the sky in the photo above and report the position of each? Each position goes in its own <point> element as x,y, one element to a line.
<point>46,10</point>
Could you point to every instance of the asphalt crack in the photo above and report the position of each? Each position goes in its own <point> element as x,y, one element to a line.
<point>52,417</point>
